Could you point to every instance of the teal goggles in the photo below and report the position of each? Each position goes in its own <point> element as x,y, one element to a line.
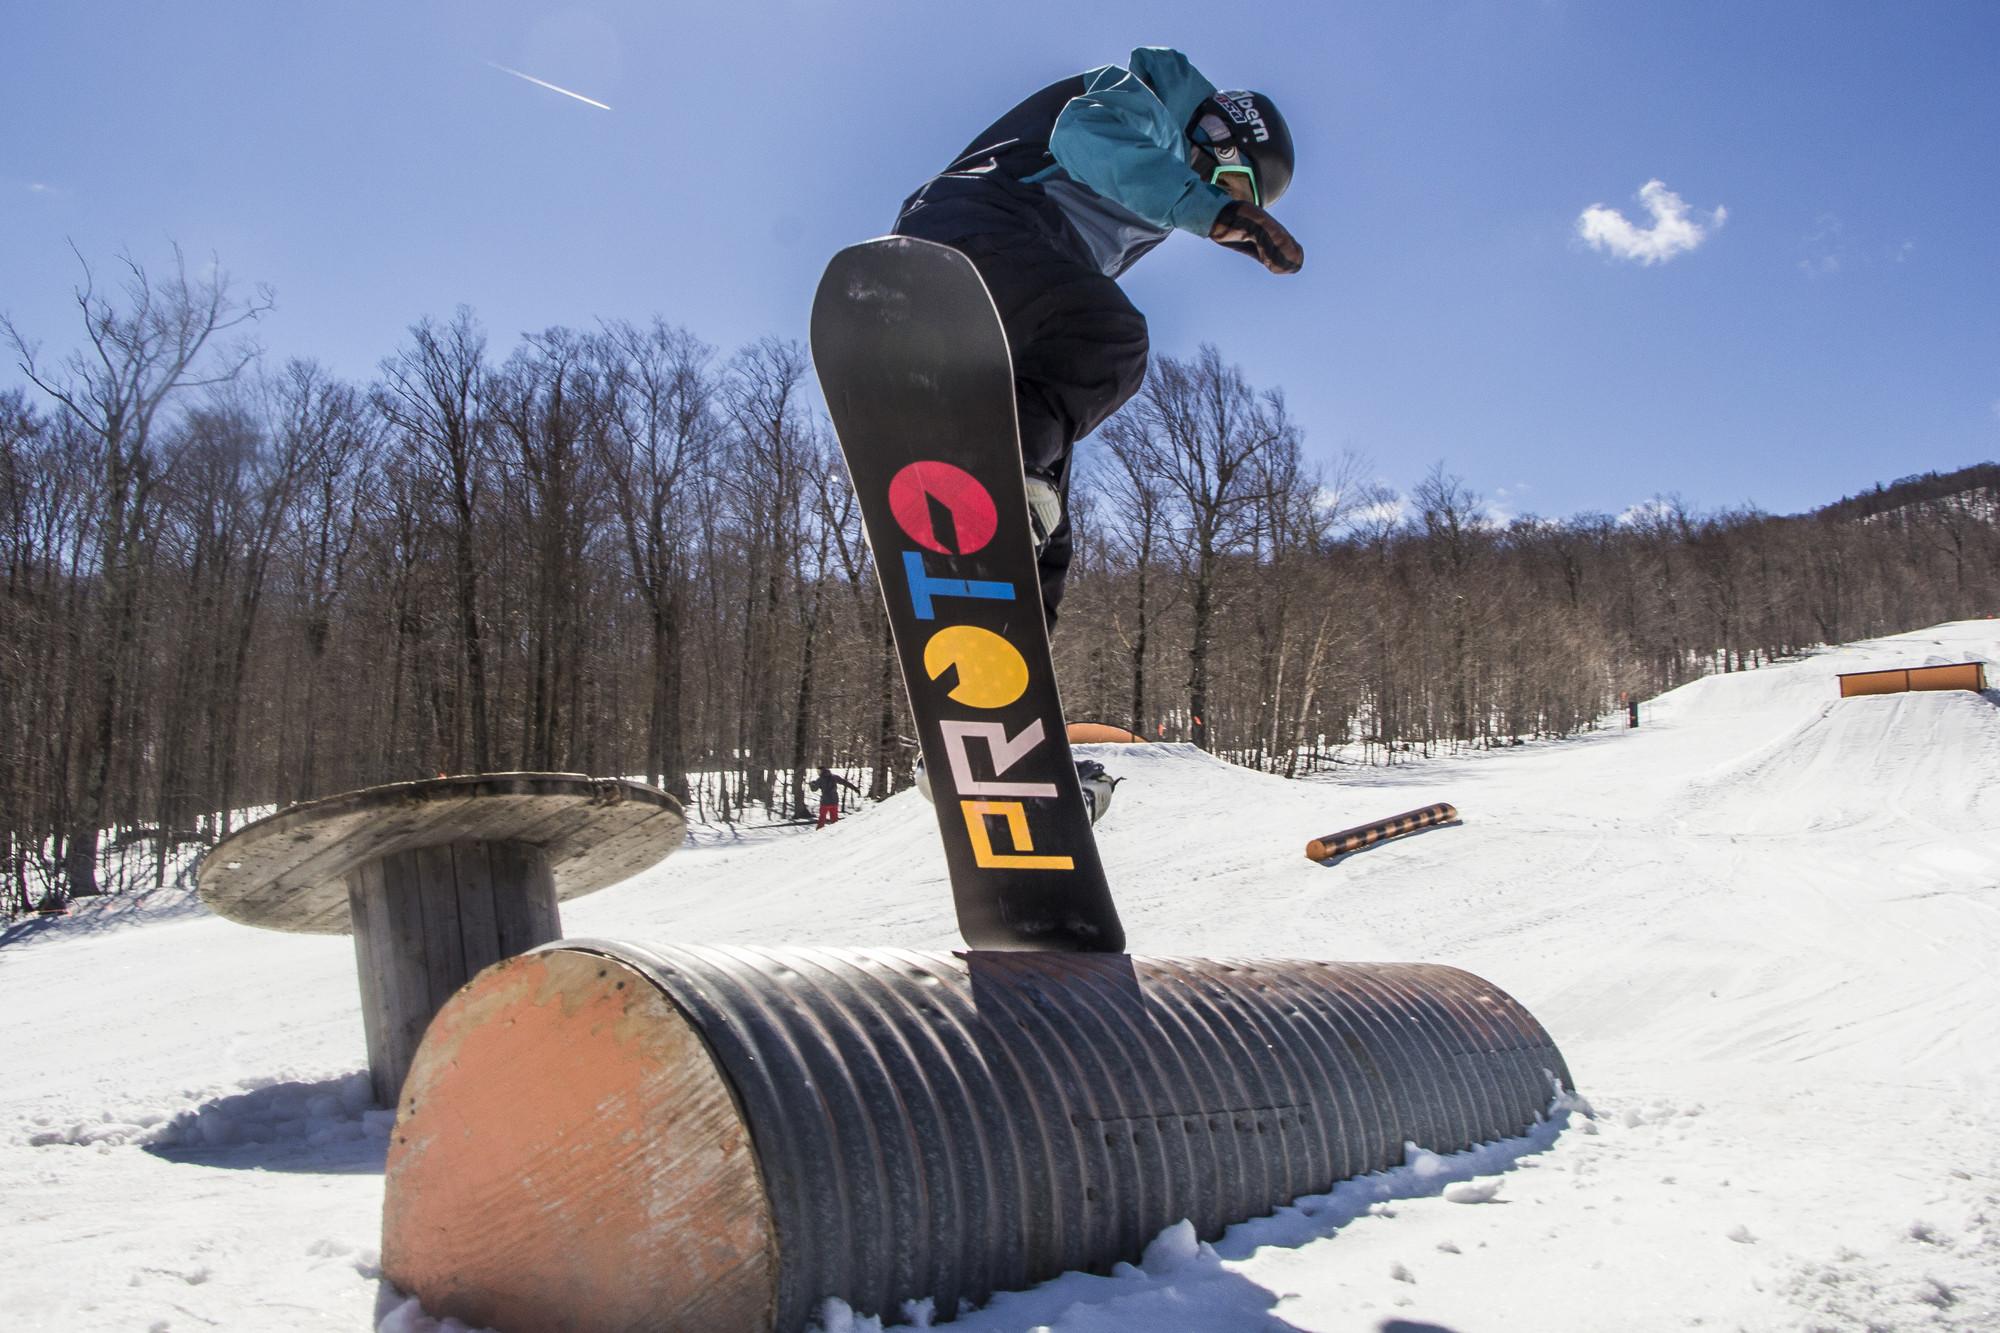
<point>1256,195</point>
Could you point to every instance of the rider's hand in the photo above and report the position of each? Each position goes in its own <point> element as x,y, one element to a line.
<point>1246,227</point>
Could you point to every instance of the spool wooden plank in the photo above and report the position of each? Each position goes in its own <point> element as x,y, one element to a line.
<point>523,920</point>
<point>481,875</point>
<point>381,987</point>
<point>428,880</point>
<point>393,964</point>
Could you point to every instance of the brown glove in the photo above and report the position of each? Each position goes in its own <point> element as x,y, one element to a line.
<point>1246,227</point>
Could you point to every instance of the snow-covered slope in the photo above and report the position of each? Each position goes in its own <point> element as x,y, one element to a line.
<point>1763,927</point>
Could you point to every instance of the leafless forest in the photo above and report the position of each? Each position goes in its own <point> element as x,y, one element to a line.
<point>619,550</point>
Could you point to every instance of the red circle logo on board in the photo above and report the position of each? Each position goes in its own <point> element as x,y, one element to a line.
<point>927,491</point>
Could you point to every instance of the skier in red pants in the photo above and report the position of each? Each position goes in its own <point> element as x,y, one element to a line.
<point>828,784</point>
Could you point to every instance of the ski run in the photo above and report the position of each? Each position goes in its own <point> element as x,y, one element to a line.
<point>1763,928</point>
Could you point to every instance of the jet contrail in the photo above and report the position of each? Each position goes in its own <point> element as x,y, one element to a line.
<point>544,83</point>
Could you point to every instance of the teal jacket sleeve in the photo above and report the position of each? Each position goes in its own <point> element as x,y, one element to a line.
<point>1125,138</point>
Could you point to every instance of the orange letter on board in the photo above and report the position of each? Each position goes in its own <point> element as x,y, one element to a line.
<point>1016,816</point>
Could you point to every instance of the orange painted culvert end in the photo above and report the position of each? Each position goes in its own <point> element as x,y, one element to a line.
<point>568,1159</point>
<point>1098,733</point>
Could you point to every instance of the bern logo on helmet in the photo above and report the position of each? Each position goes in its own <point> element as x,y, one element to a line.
<point>1243,110</point>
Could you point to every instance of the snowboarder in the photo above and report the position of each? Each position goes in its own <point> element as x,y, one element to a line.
<point>1058,198</point>
<point>828,784</point>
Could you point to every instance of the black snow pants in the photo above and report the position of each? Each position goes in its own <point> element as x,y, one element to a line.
<point>1079,346</point>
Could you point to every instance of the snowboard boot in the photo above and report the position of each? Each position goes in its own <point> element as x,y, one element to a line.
<point>1097,786</point>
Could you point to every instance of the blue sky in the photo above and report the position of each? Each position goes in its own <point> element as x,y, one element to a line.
<point>1835,167</point>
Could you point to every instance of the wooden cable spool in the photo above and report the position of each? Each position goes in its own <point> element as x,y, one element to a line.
<point>435,880</point>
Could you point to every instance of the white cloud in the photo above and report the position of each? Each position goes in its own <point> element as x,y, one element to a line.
<point>1675,228</point>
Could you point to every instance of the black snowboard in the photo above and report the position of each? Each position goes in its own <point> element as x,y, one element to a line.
<point>914,364</point>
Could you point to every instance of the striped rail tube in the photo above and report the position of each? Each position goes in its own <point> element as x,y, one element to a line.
<point>1366,835</point>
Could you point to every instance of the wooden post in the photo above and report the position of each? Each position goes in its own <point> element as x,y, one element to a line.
<point>426,922</point>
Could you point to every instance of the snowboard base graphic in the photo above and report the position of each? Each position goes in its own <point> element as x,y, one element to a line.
<point>914,363</point>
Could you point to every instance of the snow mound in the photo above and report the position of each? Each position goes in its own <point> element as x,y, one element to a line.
<point>1929,758</point>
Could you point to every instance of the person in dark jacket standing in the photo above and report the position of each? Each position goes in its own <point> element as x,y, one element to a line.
<point>1065,192</point>
<point>828,784</point>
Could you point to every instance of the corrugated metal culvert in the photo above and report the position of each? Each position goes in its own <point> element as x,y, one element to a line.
<point>605,1136</point>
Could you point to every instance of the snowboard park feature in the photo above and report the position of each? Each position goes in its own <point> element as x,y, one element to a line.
<point>1901,680</point>
<point>1098,733</point>
<point>1346,840</point>
<point>603,1136</point>
<point>624,1137</point>
<point>918,380</point>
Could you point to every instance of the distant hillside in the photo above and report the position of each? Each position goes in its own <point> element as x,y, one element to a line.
<point>1980,483</point>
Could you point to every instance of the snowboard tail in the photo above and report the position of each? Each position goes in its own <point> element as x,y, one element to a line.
<point>915,367</point>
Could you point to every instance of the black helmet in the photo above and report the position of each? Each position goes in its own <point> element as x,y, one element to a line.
<point>1238,131</point>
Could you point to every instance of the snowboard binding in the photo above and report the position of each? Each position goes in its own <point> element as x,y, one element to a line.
<point>1097,786</point>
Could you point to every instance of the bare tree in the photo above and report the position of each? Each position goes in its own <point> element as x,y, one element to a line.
<point>431,394</point>
<point>329,427</point>
<point>160,338</point>
<point>775,453</point>
<point>1206,429</point>
<point>34,497</point>
<point>1457,537</point>
<point>874,642</point>
<point>1307,611</point>
<point>658,439</point>
<point>545,405</point>
<point>1136,517</point>
<point>1954,522</point>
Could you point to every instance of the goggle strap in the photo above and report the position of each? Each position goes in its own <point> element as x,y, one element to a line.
<point>1256,195</point>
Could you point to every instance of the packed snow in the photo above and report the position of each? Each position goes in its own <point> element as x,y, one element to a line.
<point>1764,928</point>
